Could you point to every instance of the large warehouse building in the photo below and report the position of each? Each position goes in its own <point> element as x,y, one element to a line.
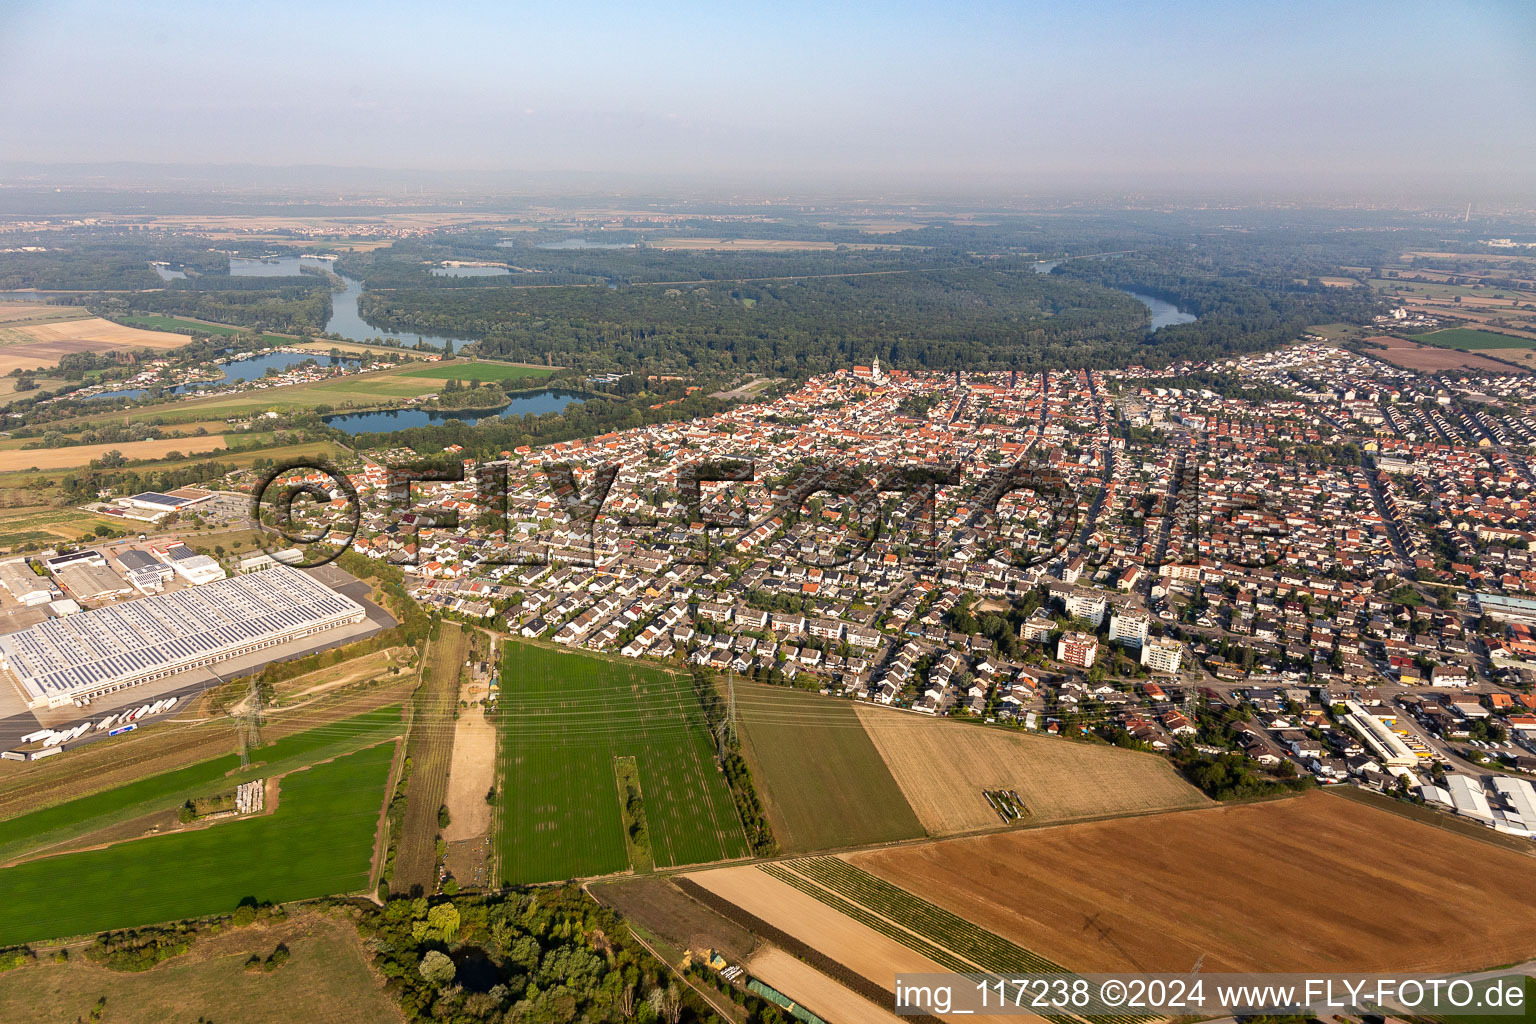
<point>97,652</point>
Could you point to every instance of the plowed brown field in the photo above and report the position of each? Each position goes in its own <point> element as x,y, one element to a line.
<point>1315,882</point>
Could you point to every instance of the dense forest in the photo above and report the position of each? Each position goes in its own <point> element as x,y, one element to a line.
<point>975,317</point>
<point>915,286</point>
<point>542,956</point>
<point>304,305</point>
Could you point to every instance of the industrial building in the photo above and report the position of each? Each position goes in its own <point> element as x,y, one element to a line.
<point>196,569</point>
<point>147,574</point>
<point>24,585</point>
<point>91,581</point>
<point>1468,798</point>
<point>97,652</point>
<point>1507,608</point>
<point>1384,743</point>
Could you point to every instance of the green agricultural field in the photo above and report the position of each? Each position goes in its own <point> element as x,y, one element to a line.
<point>174,323</point>
<point>563,718</point>
<point>821,780</point>
<point>1468,338</point>
<point>75,818</point>
<point>318,842</point>
<point>480,371</point>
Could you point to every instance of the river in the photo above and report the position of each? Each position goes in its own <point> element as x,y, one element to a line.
<point>345,319</point>
<point>386,420</point>
<point>1164,314</point>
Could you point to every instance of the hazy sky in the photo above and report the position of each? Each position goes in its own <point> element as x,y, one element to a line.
<point>1026,96</point>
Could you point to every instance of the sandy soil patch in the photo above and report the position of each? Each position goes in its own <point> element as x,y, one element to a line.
<point>942,767</point>
<point>815,991</point>
<point>471,774</point>
<point>79,455</point>
<point>1316,882</point>
<point>861,950</point>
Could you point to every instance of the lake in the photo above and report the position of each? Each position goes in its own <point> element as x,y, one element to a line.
<point>383,421</point>
<point>168,274</point>
<point>255,367</point>
<point>470,272</point>
<point>275,266</point>
<point>239,370</point>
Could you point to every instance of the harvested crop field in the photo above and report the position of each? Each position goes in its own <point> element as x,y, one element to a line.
<point>805,920</point>
<point>82,454</point>
<point>42,337</point>
<point>1430,358</point>
<point>821,780</point>
<point>942,767</point>
<point>818,993</point>
<point>1309,883</point>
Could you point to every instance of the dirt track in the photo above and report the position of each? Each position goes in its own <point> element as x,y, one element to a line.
<point>472,774</point>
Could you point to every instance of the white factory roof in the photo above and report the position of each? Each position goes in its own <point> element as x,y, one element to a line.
<point>155,636</point>
<point>1468,797</point>
<point>1521,797</point>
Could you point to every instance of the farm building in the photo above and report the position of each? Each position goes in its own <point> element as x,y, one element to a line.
<point>97,652</point>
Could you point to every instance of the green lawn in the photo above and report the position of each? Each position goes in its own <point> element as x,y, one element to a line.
<point>174,323</point>
<point>1471,338</point>
<point>480,371</point>
<point>74,818</point>
<point>819,775</point>
<point>563,718</point>
<point>318,842</point>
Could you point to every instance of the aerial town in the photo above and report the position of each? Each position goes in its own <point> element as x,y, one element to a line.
<point>711,514</point>
<point>1345,556</point>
